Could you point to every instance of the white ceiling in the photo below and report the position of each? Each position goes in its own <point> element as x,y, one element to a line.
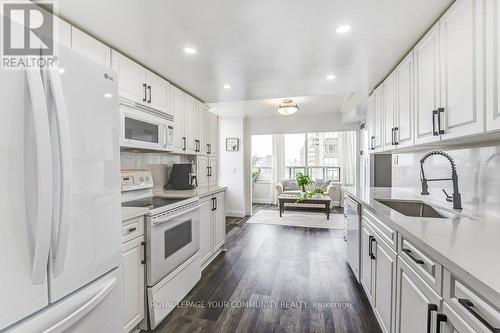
<point>264,49</point>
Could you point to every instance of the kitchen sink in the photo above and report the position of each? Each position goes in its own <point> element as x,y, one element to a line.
<point>413,208</point>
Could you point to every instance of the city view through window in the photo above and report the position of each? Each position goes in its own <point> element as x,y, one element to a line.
<point>314,154</point>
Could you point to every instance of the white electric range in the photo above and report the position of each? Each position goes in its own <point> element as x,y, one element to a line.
<point>172,237</point>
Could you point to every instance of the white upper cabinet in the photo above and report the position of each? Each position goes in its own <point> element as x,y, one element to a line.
<point>62,32</point>
<point>462,69</point>
<point>493,65</point>
<point>176,100</point>
<point>427,87</point>
<point>131,78</point>
<point>202,127</point>
<point>389,112</point>
<point>213,134</point>
<point>377,117</point>
<point>90,47</point>
<point>403,132</point>
<point>158,90</point>
<point>190,124</point>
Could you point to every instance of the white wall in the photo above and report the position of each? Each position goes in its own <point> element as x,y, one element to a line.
<point>298,123</point>
<point>232,169</point>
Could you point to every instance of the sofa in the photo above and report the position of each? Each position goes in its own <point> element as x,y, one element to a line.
<point>289,186</point>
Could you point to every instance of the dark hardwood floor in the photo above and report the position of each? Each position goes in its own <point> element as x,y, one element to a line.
<point>275,279</point>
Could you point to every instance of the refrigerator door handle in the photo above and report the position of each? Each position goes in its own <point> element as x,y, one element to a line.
<point>85,309</point>
<point>60,231</point>
<point>40,235</point>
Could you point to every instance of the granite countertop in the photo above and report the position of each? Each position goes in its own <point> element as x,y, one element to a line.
<point>201,192</point>
<point>467,245</point>
<point>131,212</point>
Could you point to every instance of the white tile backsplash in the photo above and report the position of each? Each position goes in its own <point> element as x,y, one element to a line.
<point>158,163</point>
<point>478,176</point>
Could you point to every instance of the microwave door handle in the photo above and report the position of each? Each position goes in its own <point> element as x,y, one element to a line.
<point>60,238</point>
<point>174,216</point>
<point>44,186</point>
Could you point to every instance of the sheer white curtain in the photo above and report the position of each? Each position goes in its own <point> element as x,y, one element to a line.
<point>347,154</point>
<point>278,164</point>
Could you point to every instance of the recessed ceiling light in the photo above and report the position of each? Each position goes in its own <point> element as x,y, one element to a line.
<point>330,77</point>
<point>108,95</point>
<point>226,86</point>
<point>189,50</point>
<point>61,70</point>
<point>342,29</point>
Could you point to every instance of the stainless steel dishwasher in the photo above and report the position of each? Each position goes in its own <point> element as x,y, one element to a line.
<point>352,213</point>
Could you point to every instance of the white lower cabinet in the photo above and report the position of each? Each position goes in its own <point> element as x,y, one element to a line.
<point>212,226</point>
<point>133,283</point>
<point>416,302</point>
<point>454,323</point>
<point>378,276</point>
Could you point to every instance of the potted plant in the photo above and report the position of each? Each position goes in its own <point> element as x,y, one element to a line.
<point>303,181</point>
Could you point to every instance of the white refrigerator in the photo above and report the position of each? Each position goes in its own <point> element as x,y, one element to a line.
<point>60,198</point>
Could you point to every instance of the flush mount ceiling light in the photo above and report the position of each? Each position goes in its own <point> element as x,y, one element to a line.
<point>342,29</point>
<point>330,77</point>
<point>189,50</point>
<point>287,107</point>
<point>226,86</point>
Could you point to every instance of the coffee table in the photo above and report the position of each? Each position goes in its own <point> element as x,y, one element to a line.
<point>323,200</point>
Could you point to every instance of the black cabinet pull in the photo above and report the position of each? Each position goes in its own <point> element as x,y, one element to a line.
<point>145,99</point>
<point>372,143</point>
<point>434,114</point>
<point>412,257</point>
<point>132,229</point>
<point>208,171</point>
<point>149,88</point>
<point>440,110</point>
<point>213,204</point>
<point>208,148</point>
<point>468,305</point>
<point>392,136</point>
<point>371,239</point>
<point>210,168</point>
<point>215,200</point>
<point>143,244</point>
<point>440,318</point>
<point>430,309</point>
<point>183,143</point>
<point>396,141</point>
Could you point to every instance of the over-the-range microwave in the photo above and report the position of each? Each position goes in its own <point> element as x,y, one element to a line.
<point>145,128</point>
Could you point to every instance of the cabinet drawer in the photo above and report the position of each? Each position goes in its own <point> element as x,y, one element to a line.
<point>388,234</point>
<point>455,323</point>
<point>132,228</point>
<point>475,308</point>
<point>428,269</point>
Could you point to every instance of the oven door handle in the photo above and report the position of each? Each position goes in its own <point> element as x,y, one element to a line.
<point>174,216</point>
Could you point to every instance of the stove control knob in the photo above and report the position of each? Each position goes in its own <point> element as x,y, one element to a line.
<point>147,178</point>
<point>141,179</point>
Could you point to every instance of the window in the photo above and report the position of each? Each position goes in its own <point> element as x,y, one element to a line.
<point>262,158</point>
<point>323,156</point>
<point>295,155</point>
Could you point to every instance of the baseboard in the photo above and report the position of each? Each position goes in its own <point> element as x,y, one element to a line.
<point>238,213</point>
<point>261,201</point>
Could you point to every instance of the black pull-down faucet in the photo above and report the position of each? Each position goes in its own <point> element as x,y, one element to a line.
<point>455,197</point>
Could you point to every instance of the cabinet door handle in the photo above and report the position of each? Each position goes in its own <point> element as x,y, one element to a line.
<point>372,143</point>
<point>208,171</point>
<point>208,148</point>
<point>412,257</point>
<point>132,229</point>
<point>143,261</point>
<point>440,111</point>
<point>183,143</point>
<point>149,88</point>
<point>469,306</point>
<point>392,136</point>
<point>371,239</point>
<point>145,86</point>
<point>440,318</point>
<point>396,131</point>
<point>430,308</point>
<point>213,204</point>
<point>215,201</point>
<point>434,114</point>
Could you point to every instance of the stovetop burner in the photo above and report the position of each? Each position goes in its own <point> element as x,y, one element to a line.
<point>152,202</point>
